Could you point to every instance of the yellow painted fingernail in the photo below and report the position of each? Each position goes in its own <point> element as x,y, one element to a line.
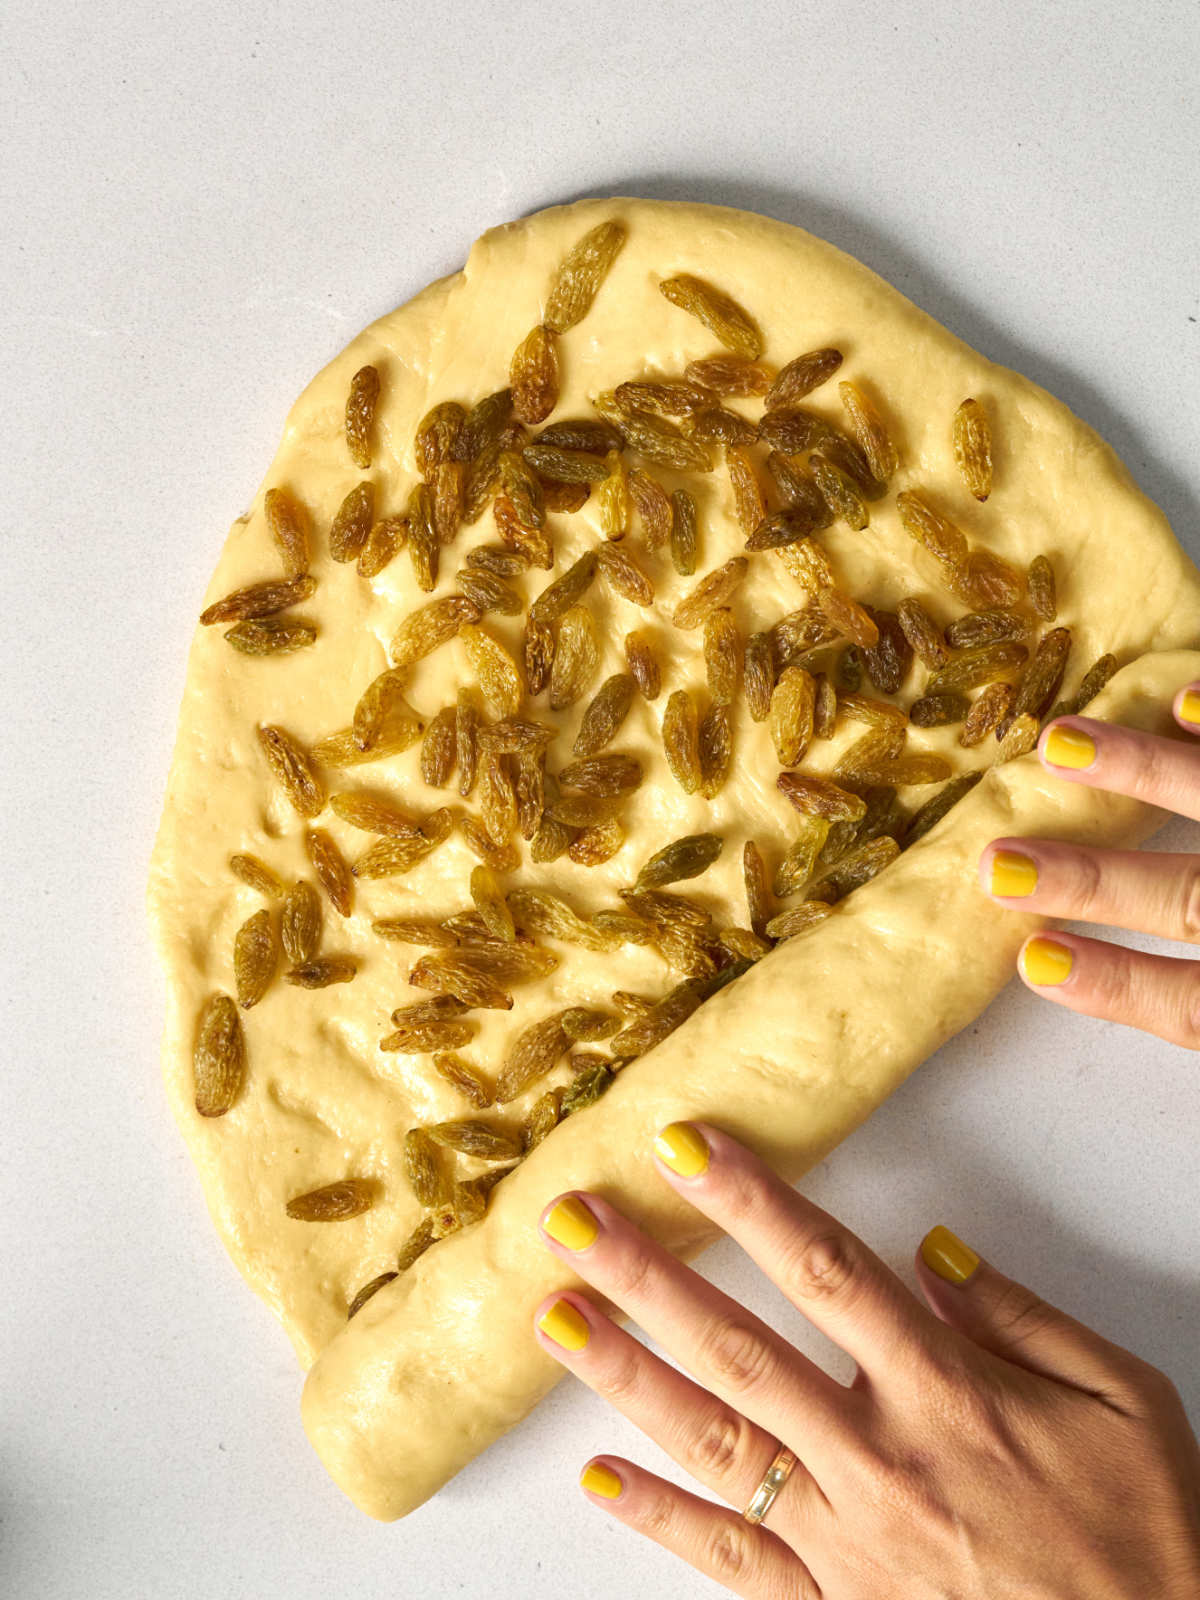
<point>1070,747</point>
<point>944,1252</point>
<point>1013,875</point>
<point>571,1224</point>
<point>682,1148</point>
<point>596,1478</point>
<point>1189,706</point>
<point>1046,962</point>
<point>565,1325</point>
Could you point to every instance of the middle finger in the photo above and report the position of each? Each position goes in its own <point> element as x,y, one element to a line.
<point>1147,892</point>
<point>725,1347</point>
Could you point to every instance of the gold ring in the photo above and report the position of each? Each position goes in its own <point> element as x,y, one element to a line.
<point>776,1475</point>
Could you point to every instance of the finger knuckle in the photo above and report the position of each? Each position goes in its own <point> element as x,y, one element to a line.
<point>1020,1315</point>
<point>657,1518</point>
<point>819,1266</point>
<point>620,1381</point>
<point>628,1272</point>
<point>1085,886</point>
<point>747,1195</point>
<point>729,1553</point>
<point>1189,904</point>
<point>718,1446</point>
<point>736,1356</point>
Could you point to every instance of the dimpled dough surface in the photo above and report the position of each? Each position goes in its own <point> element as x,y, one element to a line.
<point>794,1054</point>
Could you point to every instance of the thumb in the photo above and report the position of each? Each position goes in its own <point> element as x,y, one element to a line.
<point>1012,1322</point>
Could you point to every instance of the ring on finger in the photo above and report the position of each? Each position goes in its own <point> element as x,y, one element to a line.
<point>776,1475</point>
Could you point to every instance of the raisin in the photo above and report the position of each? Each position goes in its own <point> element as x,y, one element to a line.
<point>819,797</point>
<point>219,1058</point>
<point>1044,674</point>
<point>580,274</point>
<point>715,589</point>
<point>288,522</point>
<point>534,375</point>
<point>937,710</point>
<point>729,323</point>
<point>749,501</point>
<point>972,437</point>
<point>985,627</point>
<point>841,494</point>
<point>988,711</point>
<point>605,714</point>
<point>259,600</point>
<point>1043,595</point>
<point>466,740</point>
<point>331,869</point>
<point>870,431</point>
<point>791,716</point>
<point>643,664</point>
<point>497,672</point>
<point>682,858</point>
<point>576,656</point>
<point>729,375</point>
<point>758,675</point>
<point>361,403</point>
<point>439,748</point>
<point>722,655</point>
<point>680,734</point>
<point>320,973</point>
<point>653,506</point>
<point>531,1055</point>
<point>932,812</point>
<point>436,434</point>
<point>801,377</point>
<point>271,637</point>
<point>683,533</point>
<point>292,770</point>
<point>850,619</point>
<point>385,540</point>
<point>336,1202</point>
<point>624,574</point>
<point>352,523</point>
<point>887,662</point>
<point>591,847</point>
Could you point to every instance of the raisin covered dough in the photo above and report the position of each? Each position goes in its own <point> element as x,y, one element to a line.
<point>789,1032</point>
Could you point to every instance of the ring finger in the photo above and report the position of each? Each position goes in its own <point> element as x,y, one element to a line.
<point>1147,892</point>
<point>710,1440</point>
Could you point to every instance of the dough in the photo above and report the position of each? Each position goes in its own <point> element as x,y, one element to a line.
<point>796,1053</point>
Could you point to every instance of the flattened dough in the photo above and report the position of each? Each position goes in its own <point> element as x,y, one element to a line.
<point>795,1054</point>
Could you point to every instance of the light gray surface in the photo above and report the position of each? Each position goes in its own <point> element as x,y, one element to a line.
<point>202,206</point>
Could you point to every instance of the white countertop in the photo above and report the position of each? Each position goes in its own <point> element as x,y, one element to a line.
<point>205,205</point>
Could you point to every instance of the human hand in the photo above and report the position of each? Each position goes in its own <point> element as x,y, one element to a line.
<point>989,1447</point>
<point>1149,893</point>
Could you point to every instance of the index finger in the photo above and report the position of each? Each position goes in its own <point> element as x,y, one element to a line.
<point>1145,766</point>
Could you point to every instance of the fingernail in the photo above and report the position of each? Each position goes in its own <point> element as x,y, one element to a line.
<point>1069,747</point>
<point>571,1224</point>
<point>1046,963</point>
<point>596,1478</point>
<point>682,1148</point>
<point>1189,706</point>
<point>1013,875</point>
<point>944,1252</point>
<point>565,1325</point>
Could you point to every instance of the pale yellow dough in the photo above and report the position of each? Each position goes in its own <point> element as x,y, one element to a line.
<point>802,1048</point>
